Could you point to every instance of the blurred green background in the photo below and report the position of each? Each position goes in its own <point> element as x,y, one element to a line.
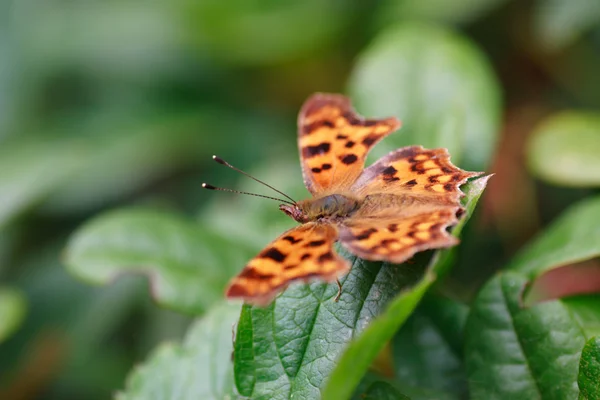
<point>113,104</point>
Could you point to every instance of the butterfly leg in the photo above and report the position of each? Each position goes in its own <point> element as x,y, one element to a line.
<point>339,293</point>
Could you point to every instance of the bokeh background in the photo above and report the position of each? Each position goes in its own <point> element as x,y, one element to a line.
<point>112,104</point>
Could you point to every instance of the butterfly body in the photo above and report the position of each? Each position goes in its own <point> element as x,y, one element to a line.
<point>331,208</point>
<point>400,205</point>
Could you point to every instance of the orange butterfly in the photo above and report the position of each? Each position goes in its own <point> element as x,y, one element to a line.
<point>400,205</point>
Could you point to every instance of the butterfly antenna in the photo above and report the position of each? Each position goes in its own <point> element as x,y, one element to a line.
<point>225,163</point>
<point>211,187</point>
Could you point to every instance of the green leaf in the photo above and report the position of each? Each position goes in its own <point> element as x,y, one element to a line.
<point>200,368</point>
<point>513,352</point>
<point>559,23</point>
<point>12,311</point>
<point>360,353</point>
<point>291,348</point>
<point>569,239</point>
<point>188,266</point>
<point>440,86</point>
<point>426,351</point>
<point>564,149</point>
<point>449,11</point>
<point>589,370</point>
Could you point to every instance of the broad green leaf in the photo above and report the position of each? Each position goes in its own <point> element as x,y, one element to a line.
<point>290,349</point>
<point>12,311</point>
<point>438,83</point>
<point>571,238</point>
<point>589,370</point>
<point>513,352</point>
<point>357,358</point>
<point>188,266</point>
<point>559,23</point>
<point>564,149</point>
<point>199,368</point>
<point>423,351</point>
<point>450,11</point>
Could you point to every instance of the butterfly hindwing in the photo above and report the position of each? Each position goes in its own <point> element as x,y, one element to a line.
<point>334,141</point>
<point>301,253</point>
<point>396,240</point>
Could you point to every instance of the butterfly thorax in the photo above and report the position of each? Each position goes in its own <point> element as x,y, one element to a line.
<point>331,207</point>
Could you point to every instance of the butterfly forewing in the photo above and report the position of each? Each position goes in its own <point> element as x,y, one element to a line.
<point>301,253</point>
<point>334,141</point>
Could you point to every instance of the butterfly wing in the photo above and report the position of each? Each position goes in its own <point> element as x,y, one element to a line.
<point>396,240</point>
<point>410,197</point>
<point>334,141</point>
<point>415,171</point>
<point>301,253</point>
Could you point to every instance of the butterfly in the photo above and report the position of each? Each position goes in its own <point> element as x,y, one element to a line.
<point>398,206</point>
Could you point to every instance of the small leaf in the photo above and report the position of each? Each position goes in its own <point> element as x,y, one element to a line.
<point>200,368</point>
<point>440,86</point>
<point>12,311</point>
<point>589,370</point>
<point>564,149</point>
<point>570,239</point>
<point>520,353</point>
<point>187,265</point>
<point>558,23</point>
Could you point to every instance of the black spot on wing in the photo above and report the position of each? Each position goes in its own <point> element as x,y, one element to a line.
<point>326,257</point>
<point>311,151</point>
<point>273,254</point>
<point>349,159</point>
<point>389,170</point>
<point>291,239</point>
<point>310,128</point>
<point>369,140</point>
<point>253,274</point>
<point>365,234</point>
<point>315,243</point>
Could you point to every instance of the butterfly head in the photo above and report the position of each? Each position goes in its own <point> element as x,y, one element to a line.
<point>295,211</point>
